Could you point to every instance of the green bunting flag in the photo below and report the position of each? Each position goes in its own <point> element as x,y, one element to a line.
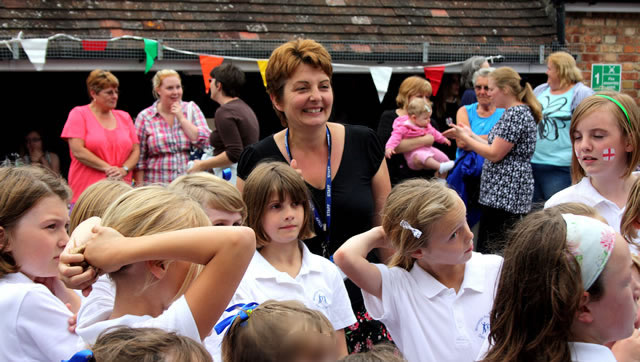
<point>151,48</point>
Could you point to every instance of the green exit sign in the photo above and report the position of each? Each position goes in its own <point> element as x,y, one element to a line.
<point>606,77</point>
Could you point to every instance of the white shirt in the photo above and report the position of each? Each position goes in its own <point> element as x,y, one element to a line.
<point>585,193</point>
<point>34,322</point>
<point>318,285</point>
<point>580,352</point>
<point>430,322</point>
<point>99,301</point>
<point>589,352</point>
<point>177,318</point>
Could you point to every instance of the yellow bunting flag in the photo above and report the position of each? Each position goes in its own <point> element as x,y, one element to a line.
<point>262,65</point>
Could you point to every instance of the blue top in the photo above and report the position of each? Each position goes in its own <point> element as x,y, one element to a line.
<point>480,125</point>
<point>553,146</point>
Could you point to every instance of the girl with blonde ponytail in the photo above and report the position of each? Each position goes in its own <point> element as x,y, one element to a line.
<point>506,185</point>
<point>433,276</point>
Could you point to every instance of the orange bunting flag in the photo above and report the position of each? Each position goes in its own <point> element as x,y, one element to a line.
<point>434,75</point>
<point>207,63</point>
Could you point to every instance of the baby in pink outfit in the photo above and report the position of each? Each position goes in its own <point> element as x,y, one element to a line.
<point>417,124</point>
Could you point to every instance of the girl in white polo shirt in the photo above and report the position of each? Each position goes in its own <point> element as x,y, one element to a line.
<point>436,293</point>
<point>164,259</point>
<point>565,290</point>
<point>33,220</point>
<point>605,132</point>
<point>282,267</point>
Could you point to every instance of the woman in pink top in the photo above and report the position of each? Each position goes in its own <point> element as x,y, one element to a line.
<point>417,124</point>
<point>102,140</point>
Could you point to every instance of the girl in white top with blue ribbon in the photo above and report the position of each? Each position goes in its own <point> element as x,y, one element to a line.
<point>282,267</point>
<point>565,290</point>
<point>435,294</point>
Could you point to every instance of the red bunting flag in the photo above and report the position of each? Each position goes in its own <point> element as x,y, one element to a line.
<point>434,75</point>
<point>94,45</point>
<point>207,63</point>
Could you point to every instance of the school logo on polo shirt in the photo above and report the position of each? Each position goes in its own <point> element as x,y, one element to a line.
<point>321,299</point>
<point>483,327</point>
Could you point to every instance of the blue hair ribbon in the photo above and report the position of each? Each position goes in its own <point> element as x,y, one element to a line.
<point>82,356</point>
<point>244,313</point>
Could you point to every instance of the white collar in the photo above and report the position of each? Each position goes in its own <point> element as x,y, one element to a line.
<point>267,271</point>
<point>590,352</point>
<point>474,278</point>
<point>586,189</point>
<point>17,278</point>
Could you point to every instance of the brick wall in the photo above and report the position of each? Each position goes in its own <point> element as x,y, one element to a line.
<point>607,38</point>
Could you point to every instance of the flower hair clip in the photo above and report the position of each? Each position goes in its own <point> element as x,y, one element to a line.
<point>405,225</point>
<point>244,313</point>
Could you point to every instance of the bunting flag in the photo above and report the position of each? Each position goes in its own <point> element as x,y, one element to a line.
<point>94,45</point>
<point>36,50</point>
<point>207,63</point>
<point>381,77</point>
<point>434,75</point>
<point>262,65</point>
<point>151,48</point>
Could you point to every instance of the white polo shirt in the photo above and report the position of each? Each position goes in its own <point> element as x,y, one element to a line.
<point>585,193</point>
<point>430,322</point>
<point>318,285</point>
<point>589,352</point>
<point>177,318</point>
<point>34,322</point>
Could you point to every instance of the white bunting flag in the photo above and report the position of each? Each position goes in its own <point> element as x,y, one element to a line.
<point>381,77</point>
<point>36,50</point>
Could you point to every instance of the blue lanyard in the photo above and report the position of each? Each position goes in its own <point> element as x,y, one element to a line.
<point>324,226</point>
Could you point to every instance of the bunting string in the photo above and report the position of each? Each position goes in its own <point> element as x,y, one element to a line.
<point>36,49</point>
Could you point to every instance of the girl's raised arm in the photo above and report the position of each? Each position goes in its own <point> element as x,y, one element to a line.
<point>224,250</point>
<point>351,257</point>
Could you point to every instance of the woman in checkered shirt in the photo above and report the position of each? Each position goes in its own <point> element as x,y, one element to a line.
<point>167,130</point>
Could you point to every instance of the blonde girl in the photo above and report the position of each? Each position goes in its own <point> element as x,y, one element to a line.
<point>279,331</point>
<point>147,345</point>
<point>282,267</point>
<point>605,133</point>
<point>436,293</point>
<point>565,290</point>
<point>151,243</point>
<point>221,201</point>
<point>33,221</point>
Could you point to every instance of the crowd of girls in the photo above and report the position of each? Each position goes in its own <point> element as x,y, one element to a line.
<point>197,270</point>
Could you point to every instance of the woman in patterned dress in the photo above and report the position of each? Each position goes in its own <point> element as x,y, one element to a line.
<point>506,185</point>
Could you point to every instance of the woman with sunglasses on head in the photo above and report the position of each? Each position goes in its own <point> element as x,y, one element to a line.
<point>559,97</point>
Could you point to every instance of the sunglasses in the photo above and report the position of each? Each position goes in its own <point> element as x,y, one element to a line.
<point>481,87</point>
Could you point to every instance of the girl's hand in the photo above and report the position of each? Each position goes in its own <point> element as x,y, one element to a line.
<point>100,251</point>
<point>73,269</point>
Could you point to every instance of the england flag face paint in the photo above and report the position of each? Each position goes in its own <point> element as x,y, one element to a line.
<point>609,154</point>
